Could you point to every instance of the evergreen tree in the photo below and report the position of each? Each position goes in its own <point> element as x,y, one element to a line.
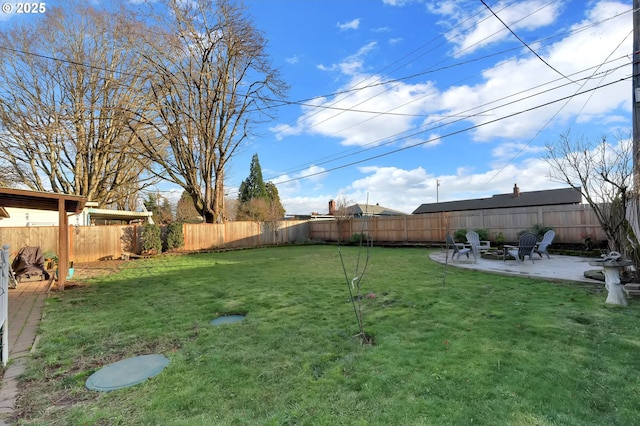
<point>165,212</point>
<point>253,186</point>
<point>276,210</point>
<point>161,212</point>
<point>151,204</point>
<point>185,210</point>
<point>258,200</point>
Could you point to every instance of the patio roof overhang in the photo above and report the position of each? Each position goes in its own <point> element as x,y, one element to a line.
<point>39,200</point>
<point>107,214</point>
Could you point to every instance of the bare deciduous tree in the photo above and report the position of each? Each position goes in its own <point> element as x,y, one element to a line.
<point>70,82</point>
<point>603,172</point>
<point>211,81</point>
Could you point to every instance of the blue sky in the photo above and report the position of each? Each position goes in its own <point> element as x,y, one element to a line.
<point>449,66</point>
<point>388,98</point>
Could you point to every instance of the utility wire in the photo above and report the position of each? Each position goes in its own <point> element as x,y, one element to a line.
<point>305,101</point>
<point>522,41</point>
<point>560,110</point>
<point>573,31</point>
<point>455,132</point>
<point>465,114</point>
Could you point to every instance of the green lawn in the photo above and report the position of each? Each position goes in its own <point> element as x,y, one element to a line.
<point>461,348</point>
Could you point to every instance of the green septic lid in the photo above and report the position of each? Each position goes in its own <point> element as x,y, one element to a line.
<point>227,319</point>
<point>128,372</point>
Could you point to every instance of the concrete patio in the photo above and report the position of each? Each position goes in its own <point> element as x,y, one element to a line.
<point>558,268</point>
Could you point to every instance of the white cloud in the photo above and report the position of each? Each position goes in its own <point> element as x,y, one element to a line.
<point>390,187</point>
<point>284,130</point>
<point>511,150</point>
<point>512,158</point>
<point>292,60</point>
<point>370,115</point>
<point>396,2</point>
<point>351,25</point>
<point>533,83</point>
<point>471,31</point>
<point>291,184</point>
<point>355,127</point>
<point>352,64</point>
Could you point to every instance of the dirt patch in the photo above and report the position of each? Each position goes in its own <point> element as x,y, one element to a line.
<point>83,272</point>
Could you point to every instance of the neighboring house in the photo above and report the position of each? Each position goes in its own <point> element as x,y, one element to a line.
<point>18,217</point>
<point>90,215</point>
<point>362,210</point>
<point>501,201</point>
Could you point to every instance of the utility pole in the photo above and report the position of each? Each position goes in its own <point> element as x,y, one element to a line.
<point>636,96</point>
<point>438,184</point>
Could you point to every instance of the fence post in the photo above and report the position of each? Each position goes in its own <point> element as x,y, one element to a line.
<point>4,301</point>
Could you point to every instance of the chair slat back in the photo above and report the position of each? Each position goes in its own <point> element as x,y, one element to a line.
<point>526,244</point>
<point>451,243</point>
<point>548,238</point>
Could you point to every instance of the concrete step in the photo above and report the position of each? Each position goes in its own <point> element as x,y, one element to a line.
<point>632,289</point>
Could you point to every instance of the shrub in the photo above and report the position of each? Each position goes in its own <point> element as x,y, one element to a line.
<point>151,240</point>
<point>358,237</point>
<point>483,234</point>
<point>539,230</point>
<point>499,239</point>
<point>460,236</point>
<point>175,236</point>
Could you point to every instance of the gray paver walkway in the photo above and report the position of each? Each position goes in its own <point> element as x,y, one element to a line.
<point>25,311</point>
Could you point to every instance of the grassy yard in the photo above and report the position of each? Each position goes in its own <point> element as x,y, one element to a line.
<point>465,348</point>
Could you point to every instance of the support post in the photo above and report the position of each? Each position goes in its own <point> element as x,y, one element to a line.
<point>636,96</point>
<point>63,244</point>
<point>4,302</point>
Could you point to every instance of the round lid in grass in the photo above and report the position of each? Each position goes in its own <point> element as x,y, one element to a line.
<point>128,372</point>
<point>227,319</point>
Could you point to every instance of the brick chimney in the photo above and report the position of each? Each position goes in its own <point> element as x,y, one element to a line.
<point>332,207</point>
<point>516,190</point>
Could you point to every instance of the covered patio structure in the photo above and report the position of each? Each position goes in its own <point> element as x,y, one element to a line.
<point>62,203</point>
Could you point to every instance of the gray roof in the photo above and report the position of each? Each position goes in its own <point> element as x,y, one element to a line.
<point>372,210</point>
<point>524,199</point>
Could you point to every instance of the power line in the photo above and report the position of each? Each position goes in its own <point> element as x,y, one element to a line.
<point>434,125</point>
<point>453,133</point>
<point>522,41</point>
<point>572,31</point>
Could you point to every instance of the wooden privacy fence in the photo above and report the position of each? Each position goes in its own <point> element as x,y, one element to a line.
<point>90,243</point>
<point>572,224</point>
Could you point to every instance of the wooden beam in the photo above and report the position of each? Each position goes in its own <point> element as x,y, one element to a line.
<point>63,244</point>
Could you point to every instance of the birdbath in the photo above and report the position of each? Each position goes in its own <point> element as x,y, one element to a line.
<point>611,268</point>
